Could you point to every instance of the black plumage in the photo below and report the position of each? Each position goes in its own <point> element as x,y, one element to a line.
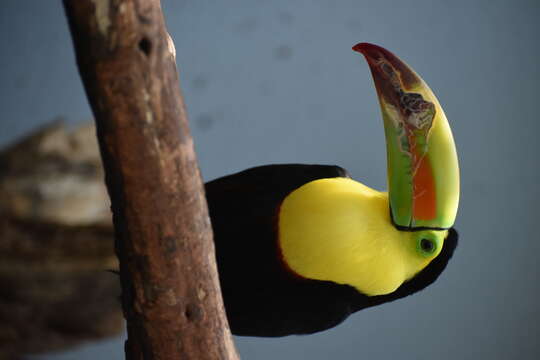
<point>262,297</point>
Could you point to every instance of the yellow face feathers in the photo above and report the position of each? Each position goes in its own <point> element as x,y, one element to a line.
<point>340,230</point>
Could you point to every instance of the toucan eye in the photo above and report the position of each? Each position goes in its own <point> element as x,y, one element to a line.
<point>427,245</point>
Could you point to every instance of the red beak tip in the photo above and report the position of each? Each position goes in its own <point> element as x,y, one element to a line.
<point>364,47</point>
<point>359,47</point>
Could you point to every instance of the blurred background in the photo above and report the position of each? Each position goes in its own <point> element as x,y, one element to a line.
<point>276,81</point>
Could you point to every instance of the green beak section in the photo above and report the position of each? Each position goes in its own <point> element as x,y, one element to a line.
<point>423,173</point>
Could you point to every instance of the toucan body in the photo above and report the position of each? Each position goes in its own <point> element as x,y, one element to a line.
<point>301,247</point>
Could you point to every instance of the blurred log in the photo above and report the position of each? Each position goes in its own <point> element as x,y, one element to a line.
<point>55,175</point>
<point>56,243</point>
<point>170,289</point>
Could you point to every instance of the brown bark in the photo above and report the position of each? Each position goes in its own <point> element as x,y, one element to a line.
<point>170,289</point>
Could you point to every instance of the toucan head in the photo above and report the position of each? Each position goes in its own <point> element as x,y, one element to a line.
<point>340,230</point>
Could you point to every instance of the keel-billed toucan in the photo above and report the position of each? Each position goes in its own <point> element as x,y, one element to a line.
<point>301,247</point>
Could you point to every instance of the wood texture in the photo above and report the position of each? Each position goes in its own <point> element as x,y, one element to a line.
<point>170,288</point>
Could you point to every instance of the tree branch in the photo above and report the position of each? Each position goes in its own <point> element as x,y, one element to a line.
<point>170,289</point>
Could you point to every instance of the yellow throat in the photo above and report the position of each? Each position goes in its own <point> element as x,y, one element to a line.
<point>339,230</point>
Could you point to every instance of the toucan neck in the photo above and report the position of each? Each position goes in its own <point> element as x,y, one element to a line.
<point>340,230</point>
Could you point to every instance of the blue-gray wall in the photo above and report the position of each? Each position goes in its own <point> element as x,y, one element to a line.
<point>276,81</point>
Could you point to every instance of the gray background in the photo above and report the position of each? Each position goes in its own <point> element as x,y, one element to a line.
<point>276,81</point>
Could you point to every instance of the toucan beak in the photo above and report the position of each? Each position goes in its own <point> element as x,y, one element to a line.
<point>423,173</point>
